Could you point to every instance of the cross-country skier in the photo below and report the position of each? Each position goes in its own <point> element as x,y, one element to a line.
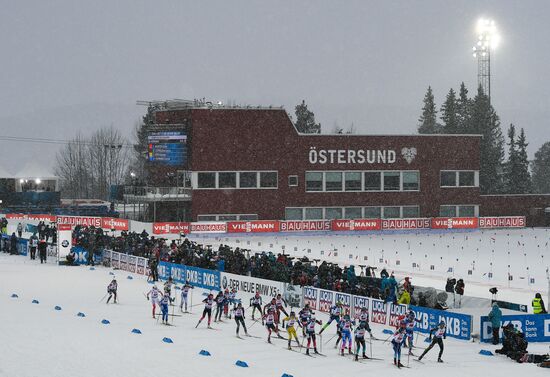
<point>291,320</point>
<point>410,322</point>
<point>226,299</point>
<point>280,303</point>
<point>220,300</point>
<point>335,313</point>
<point>155,297</point>
<point>164,302</point>
<point>168,289</point>
<point>269,320</point>
<point>346,326</point>
<point>339,333</point>
<point>310,333</point>
<point>397,341</point>
<point>208,302</point>
<point>111,289</point>
<point>184,294</point>
<point>256,303</point>
<point>363,319</point>
<point>272,306</point>
<point>239,318</point>
<point>360,340</point>
<point>304,315</point>
<point>439,335</point>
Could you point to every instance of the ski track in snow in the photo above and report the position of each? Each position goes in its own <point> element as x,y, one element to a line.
<point>40,341</point>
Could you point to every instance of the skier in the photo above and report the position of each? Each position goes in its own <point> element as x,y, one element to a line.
<point>111,289</point>
<point>34,244</point>
<point>272,306</point>
<point>220,300</point>
<point>410,322</point>
<point>335,313</point>
<point>239,318</point>
<point>168,289</point>
<point>42,250</point>
<point>280,303</point>
<point>184,293</point>
<point>208,302</point>
<point>164,308</point>
<point>304,315</point>
<point>310,333</point>
<point>359,335</point>
<point>346,326</point>
<point>291,320</point>
<point>155,295</point>
<point>397,341</point>
<point>363,319</point>
<point>440,334</point>
<point>256,303</point>
<point>226,301</point>
<point>269,320</point>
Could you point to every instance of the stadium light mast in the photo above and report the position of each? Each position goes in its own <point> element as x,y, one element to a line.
<point>487,40</point>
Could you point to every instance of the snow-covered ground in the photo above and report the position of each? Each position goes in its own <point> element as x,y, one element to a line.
<point>38,340</point>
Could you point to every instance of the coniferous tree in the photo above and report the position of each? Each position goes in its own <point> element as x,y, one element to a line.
<point>464,105</point>
<point>428,119</point>
<point>524,183</point>
<point>541,169</point>
<point>449,113</point>
<point>511,167</point>
<point>485,121</point>
<point>305,120</point>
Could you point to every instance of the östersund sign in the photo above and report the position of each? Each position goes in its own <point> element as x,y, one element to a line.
<point>359,156</point>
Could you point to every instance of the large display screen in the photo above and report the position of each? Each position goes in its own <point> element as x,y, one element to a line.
<point>167,147</point>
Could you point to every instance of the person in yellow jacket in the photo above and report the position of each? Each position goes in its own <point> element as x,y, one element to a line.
<point>538,305</point>
<point>290,321</point>
<point>405,298</point>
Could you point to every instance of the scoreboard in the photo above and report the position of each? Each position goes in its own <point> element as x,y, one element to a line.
<point>167,147</point>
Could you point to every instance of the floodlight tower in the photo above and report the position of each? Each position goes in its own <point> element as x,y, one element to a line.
<point>487,40</point>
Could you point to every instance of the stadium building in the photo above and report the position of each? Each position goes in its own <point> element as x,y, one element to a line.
<point>219,163</point>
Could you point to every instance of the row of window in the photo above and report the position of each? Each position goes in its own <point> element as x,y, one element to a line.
<point>334,213</point>
<point>234,180</point>
<point>460,178</point>
<point>319,181</point>
<point>226,217</point>
<point>458,211</point>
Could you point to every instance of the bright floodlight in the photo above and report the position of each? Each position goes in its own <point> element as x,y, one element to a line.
<point>37,181</point>
<point>487,33</point>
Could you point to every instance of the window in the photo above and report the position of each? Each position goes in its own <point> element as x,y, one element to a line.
<point>248,179</point>
<point>466,211</point>
<point>411,212</point>
<point>448,179</point>
<point>333,181</point>
<point>353,213</point>
<point>206,218</point>
<point>333,213</point>
<point>373,181</point>
<point>292,180</point>
<point>248,217</point>
<point>227,217</point>
<point>372,212</point>
<point>268,179</point>
<point>206,180</point>
<point>410,181</point>
<point>353,181</point>
<point>466,178</point>
<point>227,180</point>
<point>392,212</point>
<point>447,211</point>
<point>314,181</point>
<point>293,214</point>
<point>314,213</point>
<point>392,181</point>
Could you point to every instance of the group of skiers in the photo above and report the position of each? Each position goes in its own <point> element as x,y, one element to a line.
<point>164,299</point>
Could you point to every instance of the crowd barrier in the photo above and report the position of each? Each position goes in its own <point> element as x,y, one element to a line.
<point>459,326</point>
<point>125,262</point>
<point>536,327</point>
<point>279,226</point>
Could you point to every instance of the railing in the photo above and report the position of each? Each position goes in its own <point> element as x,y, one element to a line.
<point>147,193</point>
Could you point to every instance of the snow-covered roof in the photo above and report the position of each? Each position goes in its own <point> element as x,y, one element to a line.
<point>32,170</point>
<point>4,173</point>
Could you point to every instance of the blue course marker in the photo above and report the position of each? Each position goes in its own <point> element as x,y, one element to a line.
<point>111,273</point>
<point>35,301</point>
<point>387,331</point>
<point>167,340</point>
<point>80,314</point>
<point>92,268</point>
<point>57,307</point>
<point>136,331</point>
<point>204,353</point>
<point>105,321</point>
<point>241,364</point>
<point>486,353</point>
<point>14,295</point>
<point>129,277</point>
<point>287,375</point>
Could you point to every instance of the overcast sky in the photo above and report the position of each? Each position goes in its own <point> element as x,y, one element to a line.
<point>74,65</point>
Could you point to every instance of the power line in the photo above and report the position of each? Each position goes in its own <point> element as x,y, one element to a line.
<point>23,139</point>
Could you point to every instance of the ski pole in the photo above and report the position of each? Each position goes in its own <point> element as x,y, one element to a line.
<point>331,338</point>
<point>370,347</point>
<point>103,298</point>
<point>388,338</point>
<point>321,336</point>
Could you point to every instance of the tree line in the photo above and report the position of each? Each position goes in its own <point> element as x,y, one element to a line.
<point>461,114</point>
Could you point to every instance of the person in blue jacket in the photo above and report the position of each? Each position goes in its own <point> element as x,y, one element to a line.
<point>391,286</point>
<point>495,317</point>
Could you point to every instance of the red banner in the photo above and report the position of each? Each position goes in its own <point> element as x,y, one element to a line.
<point>62,227</point>
<point>170,228</point>
<point>502,222</point>
<point>208,227</point>
<point>454,223</point>
<point>80,220</point>
<point>19,216</point>
<point>114,223</point>
<point>304,226</point>
<point>253,226</point>
<point>362,224</point>
<point>406,224</point>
